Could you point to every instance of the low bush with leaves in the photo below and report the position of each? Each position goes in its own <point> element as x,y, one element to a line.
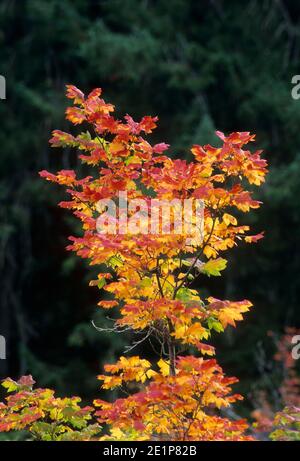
<point>43,415</point>
<point>282,389</point>
<point>287,425</point>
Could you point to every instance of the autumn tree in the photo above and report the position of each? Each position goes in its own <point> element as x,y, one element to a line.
<point>150,266</point>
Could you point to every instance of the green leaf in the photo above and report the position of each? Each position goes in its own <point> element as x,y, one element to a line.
<point>214,266</point>
<point>131,159</point>
<point>10,385</point>
<point>184,294</point>
<point>146,282</point>
<point>101,283</point>
<point>214,324</point>
<point>114,262</point>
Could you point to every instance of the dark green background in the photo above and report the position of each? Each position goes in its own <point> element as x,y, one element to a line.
<point>199,66</point>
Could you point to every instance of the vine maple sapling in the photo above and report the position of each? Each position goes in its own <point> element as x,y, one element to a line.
<point>150,274</point>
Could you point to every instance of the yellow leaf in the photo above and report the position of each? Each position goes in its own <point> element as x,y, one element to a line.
<point>229,219</point>
<point>164,366</point>
<point>150,373</point>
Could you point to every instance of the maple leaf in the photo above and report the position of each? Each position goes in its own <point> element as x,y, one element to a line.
<point>228,312</point>
<point>75,115</point>
<point>161,147</point>
<point>214,266</point>
<point>254,238</point>
<point>108,304</point>
<point>10,385</point>
<point>164,367</point>
<point>62,139</point>
<point>74,93</point>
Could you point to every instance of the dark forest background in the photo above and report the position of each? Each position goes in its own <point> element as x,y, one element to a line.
<point>199,66</point>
